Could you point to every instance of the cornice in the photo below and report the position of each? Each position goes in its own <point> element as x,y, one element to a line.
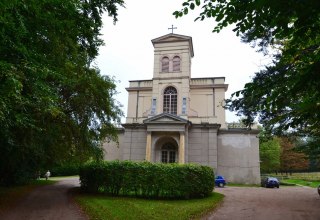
<point>239,131</point>
<point>225,86</point>
<point>139,89</point>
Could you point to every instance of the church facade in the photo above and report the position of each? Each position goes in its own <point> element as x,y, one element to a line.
<point>174,118</point>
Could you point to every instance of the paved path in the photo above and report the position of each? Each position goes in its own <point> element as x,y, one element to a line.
<point>52,202</point>
<point>257,203</point>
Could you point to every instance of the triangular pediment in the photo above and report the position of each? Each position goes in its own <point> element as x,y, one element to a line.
<point>174,38</point>
<point>171,37</point>
<point>165,118</point>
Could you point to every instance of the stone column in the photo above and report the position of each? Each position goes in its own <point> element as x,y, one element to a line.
<point>148,147</point>
<point>181,148</point>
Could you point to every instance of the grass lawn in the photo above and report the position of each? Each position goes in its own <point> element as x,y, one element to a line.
<point>313,184</point>
<point>9,196</point>
<point>107,207</point>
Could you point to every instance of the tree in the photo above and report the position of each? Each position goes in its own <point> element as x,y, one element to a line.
<point>269,150</point>
<point>309,147</point>
<point>291,159</point>
<point>53,104</point>
<point>285,96</point>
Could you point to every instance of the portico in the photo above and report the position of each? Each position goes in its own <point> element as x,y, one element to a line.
<point>166,139</point>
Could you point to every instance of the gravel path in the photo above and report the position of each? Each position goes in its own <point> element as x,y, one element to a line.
<point>257,203</point>
<point>52,202</point>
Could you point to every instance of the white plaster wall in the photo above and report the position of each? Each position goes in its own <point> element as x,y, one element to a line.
<point>132,101</point>
<point>144,107</point>
<point>201,101</point>
<point>238,157</point>
<point>219,95</point>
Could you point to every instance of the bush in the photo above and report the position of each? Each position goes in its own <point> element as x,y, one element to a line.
<point>65,170</point>
<point>145,179</point>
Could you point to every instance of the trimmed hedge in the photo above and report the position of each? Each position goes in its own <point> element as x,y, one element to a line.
<point>145,179</point>
<point>65,170</point>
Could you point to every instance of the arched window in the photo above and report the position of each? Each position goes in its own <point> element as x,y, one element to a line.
<point>176,63</point>
<point>168,153</point>
<point>165,64</point>
<point>170,100</point>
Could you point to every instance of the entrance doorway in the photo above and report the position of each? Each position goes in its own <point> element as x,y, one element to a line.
<point>169,153</point>
<point>167,149</point>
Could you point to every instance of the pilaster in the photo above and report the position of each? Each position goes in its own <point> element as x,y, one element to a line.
<point>182,148</point>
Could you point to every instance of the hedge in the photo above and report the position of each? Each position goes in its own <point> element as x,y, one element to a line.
<point>65,170</point>
<point>145,179</point>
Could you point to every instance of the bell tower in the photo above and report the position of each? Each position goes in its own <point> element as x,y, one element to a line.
<point>172,56</point>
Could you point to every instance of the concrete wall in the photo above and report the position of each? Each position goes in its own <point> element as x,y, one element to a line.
<point>202,145</point>
<point>113,151</point>
<point>238,156</point>
<point>134,143</point>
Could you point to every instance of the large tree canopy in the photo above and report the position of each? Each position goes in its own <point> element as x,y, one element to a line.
<point>269,155</point>
<point>53,104</point>
<point>285,96</point>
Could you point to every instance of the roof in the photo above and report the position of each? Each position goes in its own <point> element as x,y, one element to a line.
<point>174,38</point>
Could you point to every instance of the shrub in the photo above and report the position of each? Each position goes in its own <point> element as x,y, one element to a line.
<point>145,179</point>
<point>65,170</point>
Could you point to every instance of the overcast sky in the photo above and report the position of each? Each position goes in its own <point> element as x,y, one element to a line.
<point>128,51</point>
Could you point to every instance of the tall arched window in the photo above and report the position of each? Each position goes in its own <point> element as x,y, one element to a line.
<point>170,100</point>
<point>165,64</point>
<point>176,63</point>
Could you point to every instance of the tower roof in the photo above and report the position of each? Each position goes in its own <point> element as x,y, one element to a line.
<point>174,38</point>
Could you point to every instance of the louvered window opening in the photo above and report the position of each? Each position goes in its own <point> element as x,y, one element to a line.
<point>170,100</point>
<point>165,64</point>
<point>176,63</point>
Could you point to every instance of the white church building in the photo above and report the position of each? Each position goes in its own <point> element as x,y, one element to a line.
<point>174,118</point>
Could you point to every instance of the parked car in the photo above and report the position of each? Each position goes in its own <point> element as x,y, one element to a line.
<point>319,190</point>
<point>220,181</point>
<point>270,182</point>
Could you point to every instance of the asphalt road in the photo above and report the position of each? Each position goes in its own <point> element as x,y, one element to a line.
<point>257,203</point>
<point>52,202</point>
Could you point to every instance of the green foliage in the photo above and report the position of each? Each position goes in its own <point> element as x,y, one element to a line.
<point>67,169</point>
<point>147,179</point>
<point>262,20</point>
<point>270,155</point>
<point>311,147</point>
<point>285,96</point>
<point>53,105</point>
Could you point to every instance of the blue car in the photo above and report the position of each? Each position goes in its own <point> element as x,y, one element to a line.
<point>270,182</point>
<point>220,181</point>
